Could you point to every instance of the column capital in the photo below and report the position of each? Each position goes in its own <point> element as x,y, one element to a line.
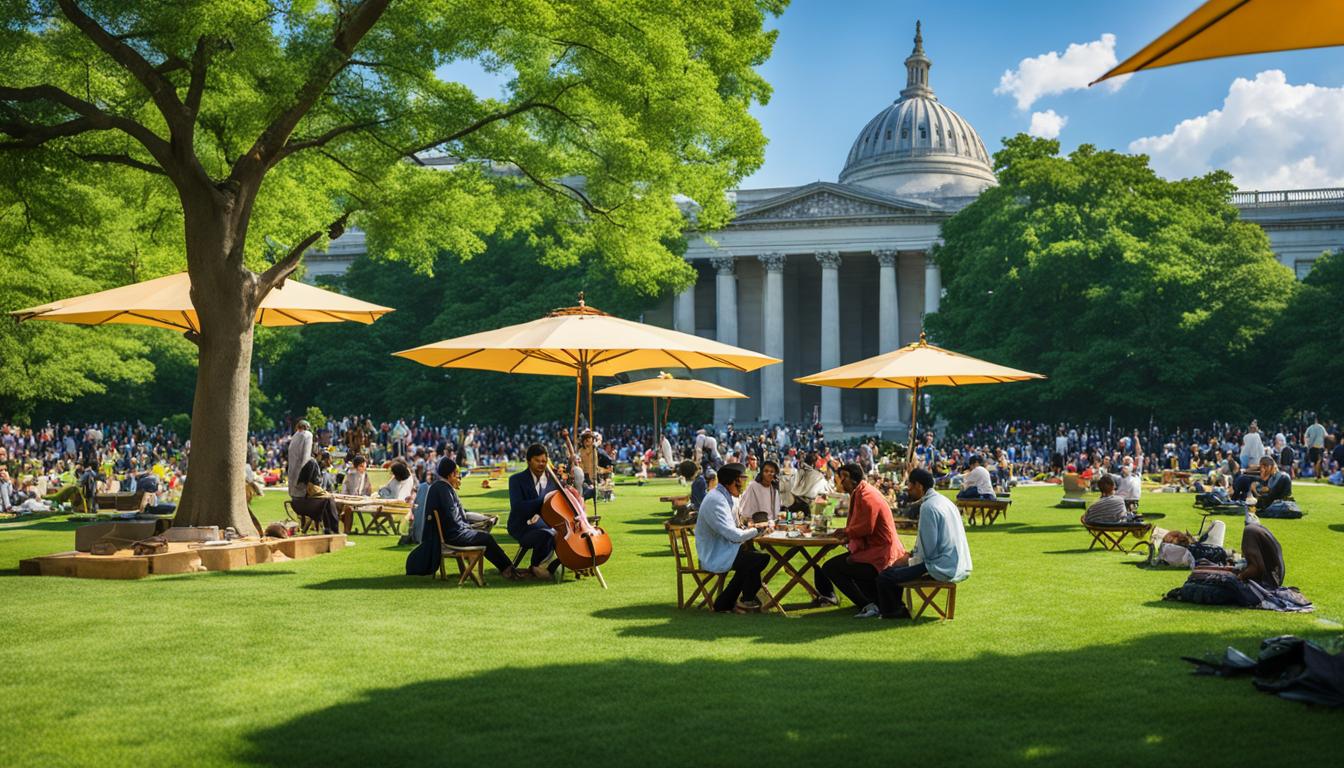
<point>773,262</point>
<point>886,257</point>
<point>828,259</point>
<point>724,264</point>
<point>929,261</point>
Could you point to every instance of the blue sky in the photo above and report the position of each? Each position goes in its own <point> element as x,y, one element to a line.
<point>1272,120</point>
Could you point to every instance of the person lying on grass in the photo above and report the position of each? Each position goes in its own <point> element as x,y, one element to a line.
<point>1110,508</point>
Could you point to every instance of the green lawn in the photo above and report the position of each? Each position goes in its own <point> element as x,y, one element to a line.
<point>1057,655</point>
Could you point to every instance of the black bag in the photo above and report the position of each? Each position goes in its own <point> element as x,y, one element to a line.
<point>1285,510</point>
<point>1212,588</point>
<point>1292,668</point>
<point>1208,552</point>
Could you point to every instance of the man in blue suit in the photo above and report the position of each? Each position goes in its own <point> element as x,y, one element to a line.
<point>527,493</point>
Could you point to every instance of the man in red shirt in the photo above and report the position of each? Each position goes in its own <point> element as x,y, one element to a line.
<point>870,535</point>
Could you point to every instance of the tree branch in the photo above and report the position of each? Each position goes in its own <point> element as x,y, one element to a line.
<point>567,191</point>
<point>298,145</point>
<point>161,90</point>
<point>97,119</point>
<point>353,172</point>
<point>494,117</point>
<point>200,59</point>
<point>351,28</point>
<point>282,269</point>
<point>120,159</point>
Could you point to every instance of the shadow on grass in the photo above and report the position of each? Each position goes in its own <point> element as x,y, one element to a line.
<point>401,581</point>
<point>1337,527</point>
<point>1079,551</point>
<point>1047,528</point>
<point>700,624</point>
<point>657,553</point>
<point>235,574</point>
<point>688,712</point>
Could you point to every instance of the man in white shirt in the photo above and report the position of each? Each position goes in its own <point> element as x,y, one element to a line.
<point>1252,447</point>
<point>665,458</point>
<point>1130,486</point>
<point>1314,440</point>
<point>976,484</point>
<point>1060,459</point>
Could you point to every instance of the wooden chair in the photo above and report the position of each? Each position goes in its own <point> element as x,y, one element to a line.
<point>304,522</point>
<point>707,584</point>
<point>986,510</point>
<point>928,590</point>
<point>678,502</point>
<point>1112,537</point>
<point>470,560</point>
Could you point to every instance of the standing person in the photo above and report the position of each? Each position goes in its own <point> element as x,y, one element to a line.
<point>1252,446</point>
<point>941,551</point>
<point>1315,444</point>
<point>719,543</point>
<point>1061,456</point>
<point>527,494</point>
<point>446,523</point>
<point>870,536</point>
<point>300,450</point>
<point>665,458</point>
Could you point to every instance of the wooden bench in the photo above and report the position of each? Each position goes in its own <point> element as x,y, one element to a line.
<point>1112,536</point>
<point>708,585</point>
<point>678,502</point>
<point>986,510</point>
<point>928,590</point>
<point>133,501</point>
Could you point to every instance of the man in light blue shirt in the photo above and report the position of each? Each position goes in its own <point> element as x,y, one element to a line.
<point>940,552</point>
<point>719,543</point>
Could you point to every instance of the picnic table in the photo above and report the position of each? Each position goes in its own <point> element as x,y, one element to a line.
<point>384,515</point>
<point>782,549</point>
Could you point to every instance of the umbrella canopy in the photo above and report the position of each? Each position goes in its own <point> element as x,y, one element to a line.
<point>570,341</point>
<point>913,367</point>
<point>165,302</point>
<point>916,365</point>
<point>673,389</point>
<point>1234,27</point>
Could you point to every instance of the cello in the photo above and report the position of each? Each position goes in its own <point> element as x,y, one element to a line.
<point>579,545</point>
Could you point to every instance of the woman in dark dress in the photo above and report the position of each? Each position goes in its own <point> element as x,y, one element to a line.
<point>446,523</point>
<point>315,503</point>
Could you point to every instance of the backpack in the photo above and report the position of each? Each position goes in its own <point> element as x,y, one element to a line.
<point>1287,510</point>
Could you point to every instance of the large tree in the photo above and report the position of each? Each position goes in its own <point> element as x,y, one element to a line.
<point>280,121</point>
<point>1139,297</point>
<point>1303,352</point>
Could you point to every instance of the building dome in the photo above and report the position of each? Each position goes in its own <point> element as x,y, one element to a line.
<point>917,146</point>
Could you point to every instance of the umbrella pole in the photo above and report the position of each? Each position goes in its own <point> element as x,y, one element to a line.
<point>914,418</point>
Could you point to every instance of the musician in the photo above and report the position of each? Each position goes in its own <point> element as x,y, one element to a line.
<point>446,523</point>
<point>719,543</point>
<point>527,494</point>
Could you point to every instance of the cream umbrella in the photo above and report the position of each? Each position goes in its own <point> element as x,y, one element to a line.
<point>665,387</point>
<point>583,342</point>
<point>165,302</point>
<point>914,367</point>
<point>1221,28</point>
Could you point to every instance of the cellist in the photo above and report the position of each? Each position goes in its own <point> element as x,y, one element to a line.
<point>527,493</point>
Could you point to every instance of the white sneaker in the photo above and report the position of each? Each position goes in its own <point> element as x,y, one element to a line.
<point>870,611</point>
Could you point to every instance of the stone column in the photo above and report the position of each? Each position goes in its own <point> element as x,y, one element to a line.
<point>889,421</point>
<point>933,284</point>
<point>725,284</point>
<point>683,313</point>
<point>830,338</point>
<point>772,376</point>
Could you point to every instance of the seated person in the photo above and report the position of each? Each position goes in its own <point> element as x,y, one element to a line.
<point>1264,556</point>
<point>1110,508</point>
<point>1243,483</point>
<point>356,483</point>
<point>941,551</point>
<point>702,482</point>
<point>446,523</point>
<point>527,494</point>
<point>399,487</point>
<point>808,484</point>
<point>761,496</point>
<point>1275,484</point>
<point>976,483</point>
<point>1129,487</point>
<point>870,536</point>
<point>315,503</point>
<point>719,543</point>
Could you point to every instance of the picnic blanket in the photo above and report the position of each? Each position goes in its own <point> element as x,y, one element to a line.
<point>1210,587</point>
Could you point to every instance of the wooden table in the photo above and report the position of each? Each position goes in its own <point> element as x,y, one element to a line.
<point>384,515</point>
<point>782,549</point>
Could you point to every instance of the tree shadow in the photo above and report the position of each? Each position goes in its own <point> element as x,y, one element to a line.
<point>1337,527</point>
<point>695,711</point>
<point>215,575</point>
<point>401,581</point>
<point>702,625</point>
<point>1047,528</point>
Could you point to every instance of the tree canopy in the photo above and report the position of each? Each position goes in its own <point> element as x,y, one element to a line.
<point>1139,297</point>
<point>1304,347</point>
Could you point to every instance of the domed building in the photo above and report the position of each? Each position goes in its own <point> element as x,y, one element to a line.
<point>832,272</point>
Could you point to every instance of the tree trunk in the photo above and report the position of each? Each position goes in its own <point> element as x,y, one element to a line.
<point>224,294</point>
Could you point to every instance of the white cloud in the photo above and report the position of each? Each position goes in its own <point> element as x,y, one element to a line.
<point>1269,134</point>
<point>1050,73</point>
<point>1047,124</point>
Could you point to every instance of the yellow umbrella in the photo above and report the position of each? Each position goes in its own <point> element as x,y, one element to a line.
<point>666,387</point>
<point>583,342</point>
<point>1221,28</point>
<point>913,367</point>
<point>165,302</point>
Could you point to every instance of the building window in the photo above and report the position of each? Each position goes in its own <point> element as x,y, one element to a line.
<point>905,133</point>
<point>888,134</point>
<point>923,132</point>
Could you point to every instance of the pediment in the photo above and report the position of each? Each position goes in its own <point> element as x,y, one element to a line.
<point>824,200</point>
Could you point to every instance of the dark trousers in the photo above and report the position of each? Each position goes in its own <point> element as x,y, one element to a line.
<point>323,510</point>
<point>889,597</point>
<point>971,493</point>
<point>493,552</point>
<point>856,581</point>
<point>746,579</point>
<point>540,540</point>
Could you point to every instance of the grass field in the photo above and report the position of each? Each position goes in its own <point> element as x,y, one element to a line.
<point>1057,656</point>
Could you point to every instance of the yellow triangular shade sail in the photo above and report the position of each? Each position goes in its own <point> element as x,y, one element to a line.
<point>666,386</point>
<point>568,340</point>
<point>1235,27</point>
<point>165,302</point>
<point>916,365</point>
